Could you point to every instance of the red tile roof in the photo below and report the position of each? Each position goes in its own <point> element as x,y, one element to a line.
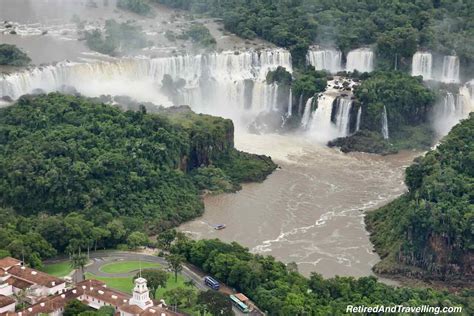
<point>131,309</point>
<point>49,304</point>
<point>100,291</point>
<point>158,311</point>
<point>92,288</point>
<point>34,276</point>
<point>19,284</point>
<point>5,300</point>
<point>8,262</point>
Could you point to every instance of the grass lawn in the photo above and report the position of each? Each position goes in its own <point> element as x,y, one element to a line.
<point>171,284</point>
<point>58,269</point>
<point>121,284</point>
<point>126,284</point>
<point>127,266</point>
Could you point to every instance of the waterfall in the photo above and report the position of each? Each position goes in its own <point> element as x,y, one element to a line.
<point>331,118</point>
<point>215,83</point>
<point>385,123</point>
<point>325,59</point>
<point>342,116</point>
<point>422,65</point>
<point>307,113</point>
<point>450,72</point>
<point>321,127</point>
<point>359,114</point>
<point>452,109</point>
<point>264,97</point>
<point>290,103</point>
<point>361,59</point>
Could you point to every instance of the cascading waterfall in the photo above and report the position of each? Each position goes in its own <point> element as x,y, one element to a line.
<point>307,113</point>
<point>215,83</point>
<point>290,103</point>
<point>359,114</point>
<point>334,114</point>
<point>342,116</point>
<point>450,72</point>
<point>321,127</point>
<point>385,123</point>
<point>331,118</point>
<point>422,65</point>
<point>361,59</point>
<point>452,109</point>
<point>325,59</point>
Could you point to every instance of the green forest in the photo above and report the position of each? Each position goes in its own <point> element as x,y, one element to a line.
<point>279,289</point>
<point>77,174</point>
<point>427,233</point>
<point>395,28</point>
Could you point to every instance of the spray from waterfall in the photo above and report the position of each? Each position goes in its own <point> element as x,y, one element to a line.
<point>385,123</point>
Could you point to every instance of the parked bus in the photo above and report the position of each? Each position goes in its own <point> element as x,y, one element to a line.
<point>239,304</point>
<point>212,283</point>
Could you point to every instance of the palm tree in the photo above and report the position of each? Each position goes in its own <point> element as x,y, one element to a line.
<point>78,262</point>
<point>21,298</point>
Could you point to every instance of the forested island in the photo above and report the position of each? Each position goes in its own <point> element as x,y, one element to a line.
<point>427,233</point>
<point>79,174</point>
<point>10,55</point>
<point>407,102</point>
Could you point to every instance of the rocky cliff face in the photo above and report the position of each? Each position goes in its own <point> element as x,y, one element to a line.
<point>209,137</point>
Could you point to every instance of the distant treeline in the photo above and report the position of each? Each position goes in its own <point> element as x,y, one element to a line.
<point>397,28</point>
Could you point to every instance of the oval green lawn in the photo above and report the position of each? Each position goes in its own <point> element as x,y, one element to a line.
<point>127,266</point>
<point>59,270</point>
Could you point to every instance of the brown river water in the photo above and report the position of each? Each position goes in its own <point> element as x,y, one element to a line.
<point>311,210</point>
